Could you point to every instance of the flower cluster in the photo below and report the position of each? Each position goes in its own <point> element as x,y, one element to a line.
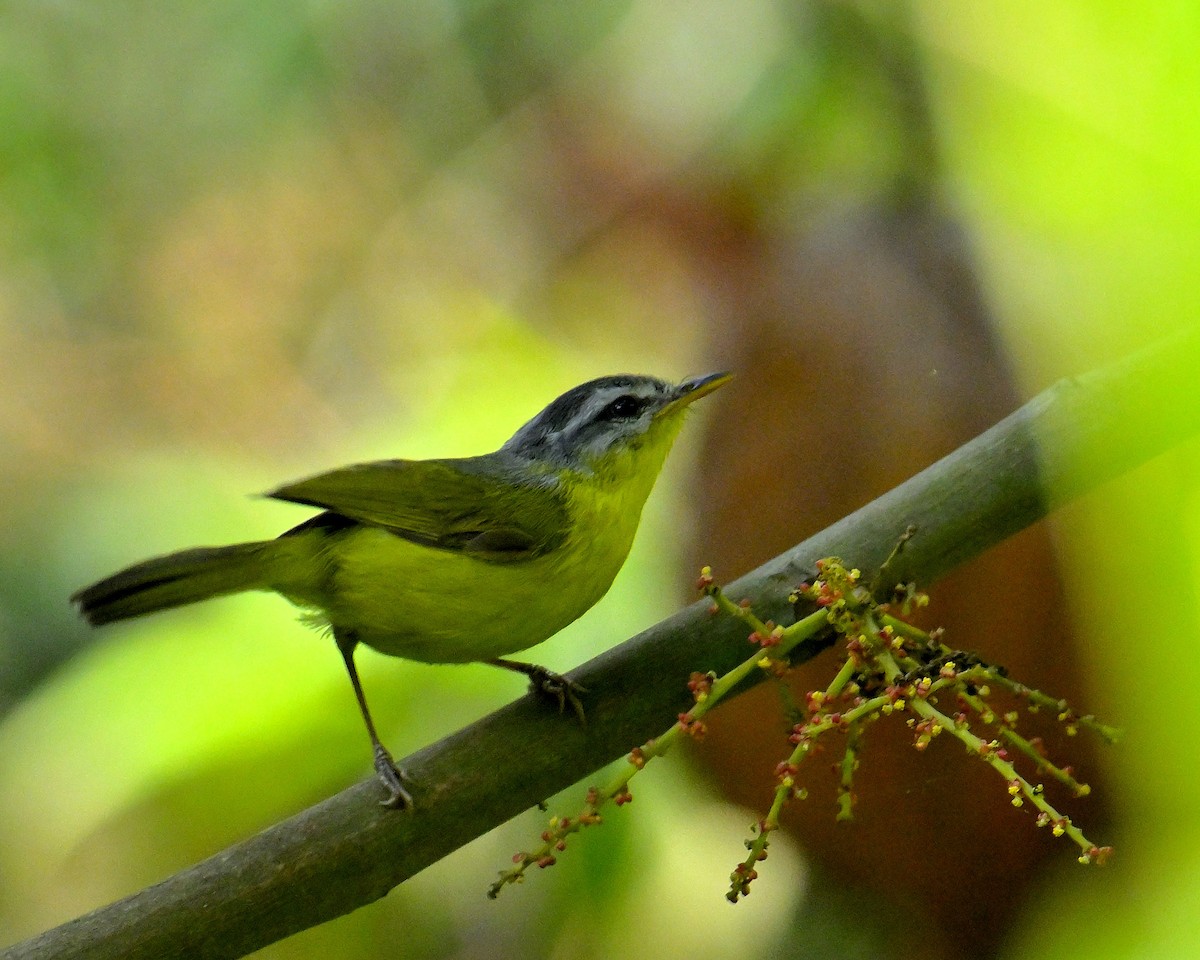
<point>891,668</point>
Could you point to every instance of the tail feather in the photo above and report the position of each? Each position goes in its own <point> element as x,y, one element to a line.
<point>174,580</point>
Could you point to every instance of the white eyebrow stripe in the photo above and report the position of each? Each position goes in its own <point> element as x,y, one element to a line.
<point>599,401</point>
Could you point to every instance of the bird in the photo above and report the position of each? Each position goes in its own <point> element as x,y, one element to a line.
<point>453,560</point>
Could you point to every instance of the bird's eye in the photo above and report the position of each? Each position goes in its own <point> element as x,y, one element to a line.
<point>625,407</point>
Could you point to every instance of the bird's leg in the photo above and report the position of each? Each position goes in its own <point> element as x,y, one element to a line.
<point>550,684</point>
<point>390,775</point>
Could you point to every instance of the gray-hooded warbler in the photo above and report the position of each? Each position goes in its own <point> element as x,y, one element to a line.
<point>451,560</point>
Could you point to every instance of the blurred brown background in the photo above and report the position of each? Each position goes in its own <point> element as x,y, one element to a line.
<point>241,243</point>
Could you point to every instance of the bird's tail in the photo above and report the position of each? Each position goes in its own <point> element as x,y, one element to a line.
<point>175,580</point>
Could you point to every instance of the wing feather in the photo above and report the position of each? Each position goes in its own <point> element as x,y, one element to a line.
<point>487,506</point>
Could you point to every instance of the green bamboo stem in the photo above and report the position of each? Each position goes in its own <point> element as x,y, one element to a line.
<point>347,851</point>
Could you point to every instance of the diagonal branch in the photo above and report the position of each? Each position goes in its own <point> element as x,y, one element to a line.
<point>348,851</point>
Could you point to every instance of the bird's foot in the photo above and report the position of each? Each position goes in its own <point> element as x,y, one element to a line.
<point>560,689</point>
<point>392,777</point>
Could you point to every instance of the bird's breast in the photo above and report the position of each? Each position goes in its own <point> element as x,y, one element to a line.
<point>445,606</point>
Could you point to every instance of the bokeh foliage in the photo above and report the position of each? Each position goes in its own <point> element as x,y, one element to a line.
<point>243,242</point>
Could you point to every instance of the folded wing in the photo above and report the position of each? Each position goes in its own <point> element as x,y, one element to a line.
<point>486,506</point>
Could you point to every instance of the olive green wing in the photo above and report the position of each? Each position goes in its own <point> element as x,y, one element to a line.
<point>485,506</point>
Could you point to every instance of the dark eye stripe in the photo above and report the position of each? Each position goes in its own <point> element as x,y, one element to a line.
<point>625,407</point>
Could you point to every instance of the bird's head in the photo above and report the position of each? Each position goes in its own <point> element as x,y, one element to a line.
<point>612,426</point>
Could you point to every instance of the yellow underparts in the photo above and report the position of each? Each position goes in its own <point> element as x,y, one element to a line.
<point>444,606</point>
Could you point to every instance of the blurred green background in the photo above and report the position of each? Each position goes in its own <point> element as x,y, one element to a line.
<point>243,242</point>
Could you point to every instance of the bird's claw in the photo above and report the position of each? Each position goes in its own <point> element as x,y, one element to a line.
<point>561,689</point>
<point>392,777</point>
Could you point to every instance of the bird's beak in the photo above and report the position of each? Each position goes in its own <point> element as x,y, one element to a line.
<point>695,388</point>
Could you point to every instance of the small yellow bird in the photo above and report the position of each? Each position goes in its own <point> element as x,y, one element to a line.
<point>452,560</point>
